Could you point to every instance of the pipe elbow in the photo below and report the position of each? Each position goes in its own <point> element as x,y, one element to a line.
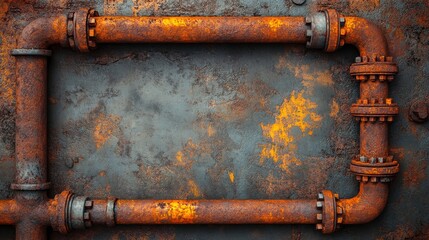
<point>44,32</point>
<point>367,205</point>
<point>366,36</point>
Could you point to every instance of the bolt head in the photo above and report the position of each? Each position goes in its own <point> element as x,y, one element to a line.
<point>88,204</point>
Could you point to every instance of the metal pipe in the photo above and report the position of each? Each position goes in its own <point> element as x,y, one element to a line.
<point>32,211</point>
<point>366,205</point>
<point>216,211</point>
<point>110,29</point>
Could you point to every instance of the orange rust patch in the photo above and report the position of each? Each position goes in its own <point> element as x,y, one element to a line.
<point>309,78</point>
<point>231,176</point>
<point>104,128</point>
<point>335,108</point>
<point>194,188</point>
<point>295,112</point>
<point>176,211</point>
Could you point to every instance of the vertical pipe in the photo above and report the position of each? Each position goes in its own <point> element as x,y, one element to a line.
<point>26,230</point>
<point>31,163</point>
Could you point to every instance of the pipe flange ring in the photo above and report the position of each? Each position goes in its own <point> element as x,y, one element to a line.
<point>333,36</point>
<point>374,68</point>
<point>316,30</point>
<point>374,110</point>
<point>331,215</point>
<point>325,30</point>
<point>31,52</point>
<point>30,187</point>
<point>60,220</point>
<point>78,214</point>
<point>110,211</point>
<point>81,29</point>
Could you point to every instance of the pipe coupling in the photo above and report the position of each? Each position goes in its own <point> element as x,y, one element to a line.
<point>330,216</point>
<point>325,30</point>
<point>71,212</point>
<point>374,169</point>
<point>81,29</point>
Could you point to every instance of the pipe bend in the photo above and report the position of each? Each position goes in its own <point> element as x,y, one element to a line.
<point>367,205</point>
<point>44,32</point>
<point>366,36</point>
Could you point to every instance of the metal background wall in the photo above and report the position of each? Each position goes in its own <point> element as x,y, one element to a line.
<point>193,121</point>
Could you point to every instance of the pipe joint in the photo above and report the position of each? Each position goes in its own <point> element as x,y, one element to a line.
<point>81,29</point>
<point>71,212</point>
<point>325,30</point>
<point>330,216</point>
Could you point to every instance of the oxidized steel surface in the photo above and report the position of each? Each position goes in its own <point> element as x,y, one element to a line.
<point>104,131</point>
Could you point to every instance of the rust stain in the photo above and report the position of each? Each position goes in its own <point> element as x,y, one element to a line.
<point>297,112</point>
<point>183,212</point>
<point>335,109</point>
<point>194,188</point>
<point>231,176</point>
<point>368,5</point>
<point>147,4</point>
<point>210,130</point>
<point>304,72</point>
<point>104,128</point>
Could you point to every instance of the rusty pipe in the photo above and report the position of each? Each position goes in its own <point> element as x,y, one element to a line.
<point>215,211</point>
<point>109,29</point>
<point>366,36</point>
<point>367,205</point>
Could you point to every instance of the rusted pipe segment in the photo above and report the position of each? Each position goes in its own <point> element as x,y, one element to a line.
<point>216,211</point>
<point>366,205</point>
<point>118,29</point>
<point>366,36</point>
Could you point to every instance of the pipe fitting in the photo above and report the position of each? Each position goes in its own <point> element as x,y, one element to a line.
<point>71,212</point>
<point>81,29</point>
<point>330,217</point>
<point>325,30</point>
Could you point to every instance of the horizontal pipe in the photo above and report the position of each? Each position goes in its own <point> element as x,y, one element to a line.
<point>111,29</point>
<point>216,212</point>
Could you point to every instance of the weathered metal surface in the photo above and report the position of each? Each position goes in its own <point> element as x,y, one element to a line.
<point>103,127</point>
